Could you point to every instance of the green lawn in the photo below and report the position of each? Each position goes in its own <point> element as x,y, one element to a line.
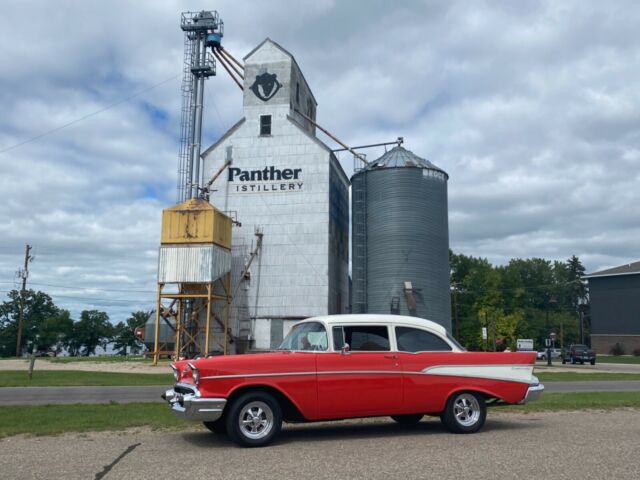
<point>49,378</point>
<point>581,401</point>
<point>56,419</point>
<point>619,359</point>
<point>575,376</point>
<point>102,358</point>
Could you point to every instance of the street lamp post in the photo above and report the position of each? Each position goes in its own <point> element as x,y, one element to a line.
<point>551,340</point>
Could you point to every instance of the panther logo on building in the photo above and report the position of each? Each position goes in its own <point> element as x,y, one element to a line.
<point>266,86</point>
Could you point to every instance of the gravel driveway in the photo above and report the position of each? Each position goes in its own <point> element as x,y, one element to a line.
<point>562,445</point>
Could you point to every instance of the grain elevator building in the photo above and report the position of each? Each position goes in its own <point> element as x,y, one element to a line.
<point>290,196</point>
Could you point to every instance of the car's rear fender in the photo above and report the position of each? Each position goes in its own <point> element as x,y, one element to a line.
<point>508,392</point>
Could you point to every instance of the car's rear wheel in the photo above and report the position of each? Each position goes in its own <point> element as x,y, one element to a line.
<point>407,419</point>
<point>593,362</point>
<point>219,426</point>
<point>254,419</point>
<point>465,412</point>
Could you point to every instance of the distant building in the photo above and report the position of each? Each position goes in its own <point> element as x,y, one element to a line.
<point>615,308</point>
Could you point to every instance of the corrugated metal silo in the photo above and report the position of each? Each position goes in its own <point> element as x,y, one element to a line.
<point>400,261</point>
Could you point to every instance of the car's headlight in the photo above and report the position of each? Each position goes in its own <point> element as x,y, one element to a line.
<point>195,373</point>
<point>176,373</point>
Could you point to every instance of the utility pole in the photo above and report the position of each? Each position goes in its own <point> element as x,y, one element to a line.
<point>23,293</point>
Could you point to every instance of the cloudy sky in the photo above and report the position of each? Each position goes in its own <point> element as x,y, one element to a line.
<point>532,107</point>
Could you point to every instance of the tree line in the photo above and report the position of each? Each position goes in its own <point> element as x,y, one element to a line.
<point>53,330</point>
<point>527,298</point>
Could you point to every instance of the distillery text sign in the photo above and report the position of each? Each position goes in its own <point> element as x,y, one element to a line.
<point>268,179</point>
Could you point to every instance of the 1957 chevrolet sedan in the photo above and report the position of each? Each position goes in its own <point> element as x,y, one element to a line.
<point>348,366</point>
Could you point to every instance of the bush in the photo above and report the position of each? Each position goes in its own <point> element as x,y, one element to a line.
<point>617,349</point>
<point>636,352</point>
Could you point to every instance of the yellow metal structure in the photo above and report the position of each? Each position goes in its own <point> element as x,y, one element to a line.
<point>199,311</point>
<point>195,221</point>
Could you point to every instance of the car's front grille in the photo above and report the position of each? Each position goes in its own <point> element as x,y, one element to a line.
<point>184,389</point>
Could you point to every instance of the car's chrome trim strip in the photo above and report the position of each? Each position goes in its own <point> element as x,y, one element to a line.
<point>297,374</point>
<point>458,371</point>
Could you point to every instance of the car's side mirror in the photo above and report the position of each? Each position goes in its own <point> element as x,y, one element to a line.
<point>345,349</point>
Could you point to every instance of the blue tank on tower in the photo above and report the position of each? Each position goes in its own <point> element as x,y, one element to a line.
<point>400,247</point>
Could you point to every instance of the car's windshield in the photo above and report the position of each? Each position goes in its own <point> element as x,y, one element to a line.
<point>455,342</point>
<point>306,336</point>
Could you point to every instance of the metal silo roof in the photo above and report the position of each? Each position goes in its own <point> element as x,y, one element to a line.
<point>401,157</point>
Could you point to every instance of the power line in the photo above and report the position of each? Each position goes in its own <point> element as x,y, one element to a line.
<point>88,288</point>
<point>97,300</point>
<point>77,120</point>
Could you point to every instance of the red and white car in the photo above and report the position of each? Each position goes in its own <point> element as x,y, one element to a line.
<point>349,366</point>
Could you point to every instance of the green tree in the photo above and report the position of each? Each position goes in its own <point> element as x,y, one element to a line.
<point>124,337</point>
<point>92,330</point>
<point>527,298</point>
<point>54,331</point>
<point>38,309</point>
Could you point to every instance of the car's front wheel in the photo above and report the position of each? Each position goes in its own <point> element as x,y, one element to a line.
<point>465,412</point>
<point>254,419</point>
<point>407,419</point>
<point>219,426</point>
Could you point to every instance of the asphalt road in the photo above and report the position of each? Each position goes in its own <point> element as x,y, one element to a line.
<point>602,445</point>
<point>69,395</point>
<point>61,395</point>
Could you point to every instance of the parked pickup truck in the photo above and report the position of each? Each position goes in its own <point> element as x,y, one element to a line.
<point>579,353</point>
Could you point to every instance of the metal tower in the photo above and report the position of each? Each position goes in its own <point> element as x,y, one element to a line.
<point>201,30</point>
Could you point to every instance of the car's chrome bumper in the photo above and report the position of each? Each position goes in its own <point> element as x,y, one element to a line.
<point>533,392</point>
<point>186,402</point>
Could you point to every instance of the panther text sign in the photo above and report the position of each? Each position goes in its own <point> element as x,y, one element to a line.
<point>267,179</point>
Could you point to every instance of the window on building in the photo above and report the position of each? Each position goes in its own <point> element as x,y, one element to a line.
<point>265,124</point>
<point>297,93</point>
<point>416,340</point>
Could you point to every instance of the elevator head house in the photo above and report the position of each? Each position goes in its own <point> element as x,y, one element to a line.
<point>290,195</point>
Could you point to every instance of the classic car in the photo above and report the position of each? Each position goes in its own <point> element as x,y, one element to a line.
<point>349,366</point>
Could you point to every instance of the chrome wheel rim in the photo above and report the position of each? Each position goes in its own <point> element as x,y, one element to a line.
<point>256,420</point>
<point>466,409</point>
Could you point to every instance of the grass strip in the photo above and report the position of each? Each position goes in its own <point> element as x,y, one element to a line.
<point>584,377</point>
<point>67,378</point>
<point>618,359</point>
<point>57,419</point>
<point>581,401</point>
<point>138,359</point>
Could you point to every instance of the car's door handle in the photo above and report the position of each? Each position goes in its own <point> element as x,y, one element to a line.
<point>391,357</point>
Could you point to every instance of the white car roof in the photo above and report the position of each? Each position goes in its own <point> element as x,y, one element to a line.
<point>378,318</point>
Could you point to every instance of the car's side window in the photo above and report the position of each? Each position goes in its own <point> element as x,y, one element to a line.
<point>338,338</point>
<point>366,338</point>
<point>416,340</point>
